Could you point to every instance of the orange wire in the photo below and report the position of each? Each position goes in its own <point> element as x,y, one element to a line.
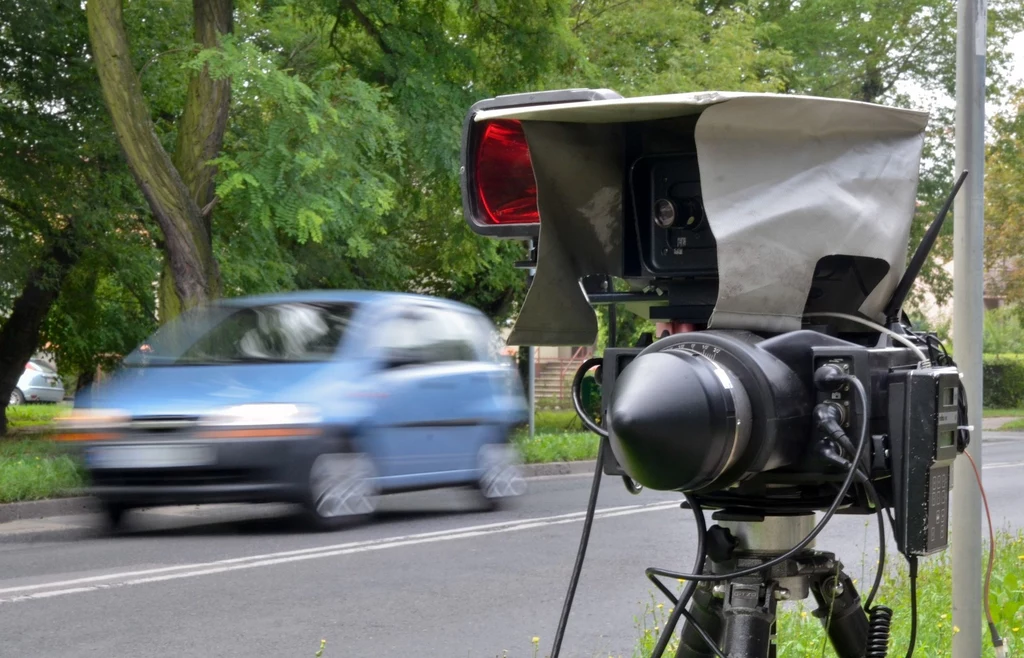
<point>991,537</point>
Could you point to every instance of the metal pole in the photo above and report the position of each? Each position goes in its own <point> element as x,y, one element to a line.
<point>968,318</point>
<point>531,369</point>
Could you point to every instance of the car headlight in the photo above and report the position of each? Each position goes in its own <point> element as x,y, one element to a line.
<point>86,419</point>
<point>259,415</point>
<point>91,424</point>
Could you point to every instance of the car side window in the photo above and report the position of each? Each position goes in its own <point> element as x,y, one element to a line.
<point>432,335</point>
<point>458,338</point>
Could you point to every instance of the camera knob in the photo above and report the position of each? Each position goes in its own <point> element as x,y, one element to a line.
<point>664,213</point>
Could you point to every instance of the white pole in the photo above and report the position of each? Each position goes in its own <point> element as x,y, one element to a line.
<point>968,318</point>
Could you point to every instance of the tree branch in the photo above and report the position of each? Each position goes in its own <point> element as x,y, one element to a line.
<point>364,21</point>
<point>155,57</point>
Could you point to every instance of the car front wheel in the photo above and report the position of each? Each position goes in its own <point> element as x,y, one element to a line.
<point>501,476</point>
<point>16,398</point>
<point>342,488</point>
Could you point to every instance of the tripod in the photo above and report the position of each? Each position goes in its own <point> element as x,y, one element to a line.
<point>739,614</point>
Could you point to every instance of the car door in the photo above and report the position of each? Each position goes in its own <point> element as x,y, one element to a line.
<point>463,374</point>
<point>416,398</point>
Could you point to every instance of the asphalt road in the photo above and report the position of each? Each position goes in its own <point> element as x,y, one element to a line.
<point>434,576</point>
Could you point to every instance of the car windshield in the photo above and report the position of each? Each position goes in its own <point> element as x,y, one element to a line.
<point>284,333</point>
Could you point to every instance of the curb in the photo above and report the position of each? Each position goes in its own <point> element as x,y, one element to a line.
<point>558,468</point>
<point>41,509</point>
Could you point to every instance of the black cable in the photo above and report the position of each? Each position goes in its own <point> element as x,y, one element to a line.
<point>688,589</point>
<point>880,569</point>
<point>829,513</point>
<point>710,641</point>
<point>574,580</point>
<point>912,562</point>
<point>577,398</point>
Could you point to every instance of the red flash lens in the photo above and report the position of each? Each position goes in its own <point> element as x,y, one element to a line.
<point>505,184</point>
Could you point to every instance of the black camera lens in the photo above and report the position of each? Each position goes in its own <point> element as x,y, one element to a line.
<point>693,213</point>
<point>664,213</point>
<point>680,421</point>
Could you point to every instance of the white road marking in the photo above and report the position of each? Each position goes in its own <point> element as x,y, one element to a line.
<point>1002,465</point>
<point>126,578</point>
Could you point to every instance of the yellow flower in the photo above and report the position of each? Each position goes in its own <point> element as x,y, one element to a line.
<point>943,615</point>
<point>803,614</point>
<point>660,606</point>
<point>1016,629</point>
<point>683,580</point>
<point>536,640</point>
<point>956,629</point>
<point>1020,557</point>
<point>940,624</point>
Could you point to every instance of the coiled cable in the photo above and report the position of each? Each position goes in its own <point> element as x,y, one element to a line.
<point>879,623</point>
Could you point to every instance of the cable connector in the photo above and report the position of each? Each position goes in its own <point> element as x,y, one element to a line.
<point>997,642</point>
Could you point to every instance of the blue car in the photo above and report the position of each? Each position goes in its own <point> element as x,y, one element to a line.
<point>325,399</point>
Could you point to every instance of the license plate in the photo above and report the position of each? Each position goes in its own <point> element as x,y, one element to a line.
<point>150,456</point>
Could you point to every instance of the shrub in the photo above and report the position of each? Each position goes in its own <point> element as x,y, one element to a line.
<point>1003,380</point>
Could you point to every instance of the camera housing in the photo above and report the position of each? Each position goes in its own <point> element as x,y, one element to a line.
<point>774,225</point>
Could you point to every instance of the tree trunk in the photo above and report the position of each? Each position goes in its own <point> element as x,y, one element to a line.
<point>19,335</point>
<point>173,195</point>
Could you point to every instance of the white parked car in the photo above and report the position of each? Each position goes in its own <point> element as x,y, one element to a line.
<point>39,383</point>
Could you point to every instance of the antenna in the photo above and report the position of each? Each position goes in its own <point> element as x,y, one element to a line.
<point>892,309</point>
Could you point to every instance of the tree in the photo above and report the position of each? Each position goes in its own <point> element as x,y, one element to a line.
<point>1004,202</point>
<point>178,189</point>
<point>62,193</point>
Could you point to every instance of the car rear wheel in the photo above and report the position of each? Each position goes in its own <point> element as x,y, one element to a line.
<point>342,489</point>
<point>17,397</point>
<point>113,516</point>
<point>501,476</point>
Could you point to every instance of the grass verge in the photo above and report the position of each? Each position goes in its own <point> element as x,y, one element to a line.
<point>33,469</point>
<point>801,634</point>
<point>1002,413</point>
<point>557,447</point>
<point>24,416</point>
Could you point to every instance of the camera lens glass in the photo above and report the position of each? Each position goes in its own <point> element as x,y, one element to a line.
<point>679,421</point>
<point>664,213</point>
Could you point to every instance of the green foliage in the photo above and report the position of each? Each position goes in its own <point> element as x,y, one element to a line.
<point>33,469</point>
<point>564,447</point>
<point>25,416</point>
<point>1004,203</point>
<point>1003,332</point>
<point>1003,380</point>
<point>661,47</point>
<point>60,166</point>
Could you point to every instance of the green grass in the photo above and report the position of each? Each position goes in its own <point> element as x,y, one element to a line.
<point>801,634</point>
<point>34,415</point>
<point>1001,413</point>
<point>557,447</point>
<point>33,469</point>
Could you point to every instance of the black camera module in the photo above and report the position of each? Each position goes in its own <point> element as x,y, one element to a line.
<point>675,238</point>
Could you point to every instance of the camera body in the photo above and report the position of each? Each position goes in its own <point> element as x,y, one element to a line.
<point>777,227</point>
<point>775,466</point>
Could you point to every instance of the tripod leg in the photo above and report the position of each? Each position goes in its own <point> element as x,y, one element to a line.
<point>839,609</point>
<point>706,609</point>
<point>749,619</point>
